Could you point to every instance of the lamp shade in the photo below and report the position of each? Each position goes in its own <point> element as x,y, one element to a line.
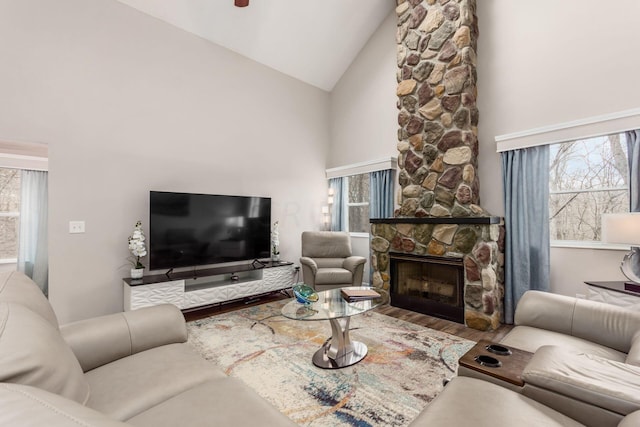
<point>621,228</point>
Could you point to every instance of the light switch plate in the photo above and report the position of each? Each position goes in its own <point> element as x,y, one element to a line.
<point>76,227</point>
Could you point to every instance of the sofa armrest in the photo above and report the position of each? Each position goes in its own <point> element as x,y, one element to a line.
<point>101,340</point>
<point>604,324</point>
<point>353,262</point>
<point>584,377</point>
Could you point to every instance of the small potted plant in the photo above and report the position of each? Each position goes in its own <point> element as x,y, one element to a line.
<point>275,243</point>
<point>138,249</point>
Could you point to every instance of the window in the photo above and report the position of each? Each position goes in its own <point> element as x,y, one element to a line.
<point>357,209</point>
<point>358,191</point>
<point>587,178</point>
<point>9,214</point>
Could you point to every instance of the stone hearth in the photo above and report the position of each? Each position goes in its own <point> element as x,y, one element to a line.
<point>439,209</point>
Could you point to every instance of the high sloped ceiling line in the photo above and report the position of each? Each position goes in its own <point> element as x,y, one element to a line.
<point>314,41</point>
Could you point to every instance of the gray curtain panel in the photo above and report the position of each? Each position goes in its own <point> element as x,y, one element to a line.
<point>525,176</point>
<point>33,255</point>
<point>381,197</point>
<point>633,152</point>
<point>337,210</point>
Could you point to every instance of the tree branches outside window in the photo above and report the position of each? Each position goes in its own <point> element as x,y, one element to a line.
<point>587,178</point>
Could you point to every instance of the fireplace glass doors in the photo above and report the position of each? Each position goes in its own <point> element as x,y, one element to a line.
<point>428,284</point>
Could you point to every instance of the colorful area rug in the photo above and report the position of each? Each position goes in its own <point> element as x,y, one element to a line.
<point>403,371</point>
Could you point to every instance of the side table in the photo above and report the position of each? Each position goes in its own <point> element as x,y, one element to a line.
<point>507,374</point>
<point>340,351</point>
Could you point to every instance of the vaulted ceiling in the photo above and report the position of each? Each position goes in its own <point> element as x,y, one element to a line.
<point>311,40</point>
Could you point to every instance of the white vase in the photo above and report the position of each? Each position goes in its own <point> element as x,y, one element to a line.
<point>137,273</point>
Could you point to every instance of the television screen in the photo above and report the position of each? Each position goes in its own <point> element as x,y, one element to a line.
<point>199,229</point>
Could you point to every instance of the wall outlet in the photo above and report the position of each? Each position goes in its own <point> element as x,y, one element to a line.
<point>76,227</point>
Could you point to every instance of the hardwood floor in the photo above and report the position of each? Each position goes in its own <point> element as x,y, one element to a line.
<point>443,325</point>
<point>447,326</point>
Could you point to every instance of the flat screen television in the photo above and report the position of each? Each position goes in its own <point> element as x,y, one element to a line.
<point>187,230</point>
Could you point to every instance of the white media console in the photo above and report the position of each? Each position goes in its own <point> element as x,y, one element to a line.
<point>187,290</point>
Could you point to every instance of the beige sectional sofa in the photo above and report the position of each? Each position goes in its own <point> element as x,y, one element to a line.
<point>131,368</point>
<point>585,370</point>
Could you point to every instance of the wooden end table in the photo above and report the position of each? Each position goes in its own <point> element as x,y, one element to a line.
<point>511,366</point>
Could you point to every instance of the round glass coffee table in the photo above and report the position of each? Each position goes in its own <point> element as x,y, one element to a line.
<point>339,351</point>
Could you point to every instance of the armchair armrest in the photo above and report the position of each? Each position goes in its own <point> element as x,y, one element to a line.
<point>310,263</point>
<point>352,262</point>
<point>584,377</point>
<point>101,340</point>
<point>355,264</point>
<point>309,270</point>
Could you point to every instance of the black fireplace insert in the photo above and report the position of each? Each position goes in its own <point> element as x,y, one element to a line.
<point>427,284</point>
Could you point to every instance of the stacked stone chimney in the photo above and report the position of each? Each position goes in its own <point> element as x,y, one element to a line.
<point>438,117</point>
<point>438,156</point>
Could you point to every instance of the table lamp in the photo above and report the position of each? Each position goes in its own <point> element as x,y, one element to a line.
<point>625,228</point>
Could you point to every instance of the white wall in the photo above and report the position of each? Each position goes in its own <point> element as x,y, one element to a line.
<point>547,62</point>
<point>363,111</point>
<point>129,104</point>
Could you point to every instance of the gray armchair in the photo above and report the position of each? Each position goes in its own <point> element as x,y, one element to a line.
<point>327,262</point>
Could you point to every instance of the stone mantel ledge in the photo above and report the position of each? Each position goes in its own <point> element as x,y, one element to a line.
<point>484,220</point>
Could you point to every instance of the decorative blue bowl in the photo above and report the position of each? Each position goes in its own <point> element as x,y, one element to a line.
<point>305,294</point>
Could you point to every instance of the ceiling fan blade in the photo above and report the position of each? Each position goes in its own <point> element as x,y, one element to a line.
<point>241,3</point>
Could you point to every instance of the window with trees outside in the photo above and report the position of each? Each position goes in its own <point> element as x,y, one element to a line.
<point>9,214</point>
<point>357,209</point>
<point>587,178</point>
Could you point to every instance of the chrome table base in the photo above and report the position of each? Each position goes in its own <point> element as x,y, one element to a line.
<point>339,351</point>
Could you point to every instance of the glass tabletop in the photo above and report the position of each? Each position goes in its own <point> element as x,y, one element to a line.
<point>331,305</point>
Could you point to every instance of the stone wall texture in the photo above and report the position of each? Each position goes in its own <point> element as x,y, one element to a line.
<point>438,155</point>
<point>438,117</point>
<point>481,246</point>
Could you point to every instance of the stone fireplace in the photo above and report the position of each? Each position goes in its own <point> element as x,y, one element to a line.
<point>439,215</point>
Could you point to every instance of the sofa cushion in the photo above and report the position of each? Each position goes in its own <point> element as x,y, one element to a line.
<point>221,402</point>
<point>333,275</point>
<point>17,287</point>
<point>33,352</point>
<point>129,386</point>
<point>326,244</point>
<point>530,339</point>
<point>633,357</point>
<point>27,406</point>
<point>631,420</point>
<point>584,377</point>
<point>607,324</point>
<point>329,262</point>
<point>472,402</point>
